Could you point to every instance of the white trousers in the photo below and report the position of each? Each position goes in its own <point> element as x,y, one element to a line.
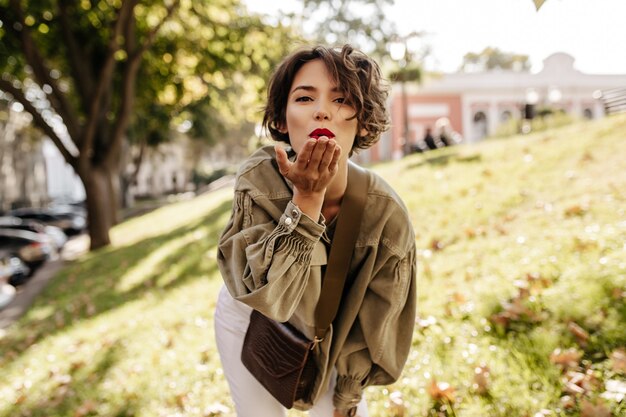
<point>250,398</point>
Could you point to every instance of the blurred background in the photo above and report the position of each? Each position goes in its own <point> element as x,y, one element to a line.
<point>122,123</point>
<point>105,104</point>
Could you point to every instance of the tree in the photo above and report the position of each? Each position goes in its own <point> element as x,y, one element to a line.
<point>362,23</point>
<point>492,58</point>
<point>87,71</point>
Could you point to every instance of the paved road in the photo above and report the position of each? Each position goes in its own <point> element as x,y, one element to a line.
<point>26,293</point>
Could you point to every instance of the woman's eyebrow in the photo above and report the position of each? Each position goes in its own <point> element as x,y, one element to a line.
<point>304,87</point>
<point>311,88</point>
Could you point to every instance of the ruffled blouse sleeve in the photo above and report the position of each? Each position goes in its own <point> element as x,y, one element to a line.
<point>264,255</point>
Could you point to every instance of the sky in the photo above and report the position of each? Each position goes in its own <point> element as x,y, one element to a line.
<point>592,31</point>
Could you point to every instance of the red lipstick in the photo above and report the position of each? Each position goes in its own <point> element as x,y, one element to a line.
<point>317,133</point>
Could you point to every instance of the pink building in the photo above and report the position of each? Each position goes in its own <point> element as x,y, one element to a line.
<point>476,103</point>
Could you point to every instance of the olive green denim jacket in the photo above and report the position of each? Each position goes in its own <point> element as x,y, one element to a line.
<point>271,257</point>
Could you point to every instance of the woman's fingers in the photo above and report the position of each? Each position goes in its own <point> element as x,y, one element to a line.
<point>317,154</point>
<point>334,163</point>
<point>327,157</point>
<point>302,160</point>
<point>284,165</point>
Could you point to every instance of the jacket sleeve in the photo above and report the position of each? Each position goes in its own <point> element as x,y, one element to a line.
<point>265,257</point>
<point>379,342</point>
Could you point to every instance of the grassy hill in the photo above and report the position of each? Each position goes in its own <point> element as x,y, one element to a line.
<point>522,280</point>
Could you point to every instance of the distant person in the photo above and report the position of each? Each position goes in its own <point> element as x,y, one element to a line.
<point>429,139</point>
<point>445,135</point>
<point>325,103</point>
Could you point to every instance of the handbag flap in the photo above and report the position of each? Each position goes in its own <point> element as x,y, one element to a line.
<point>278,348</point>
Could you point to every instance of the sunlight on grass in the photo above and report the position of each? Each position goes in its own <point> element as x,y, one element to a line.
<point>521,288</point>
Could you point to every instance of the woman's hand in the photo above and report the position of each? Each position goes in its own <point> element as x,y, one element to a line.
<point>315,167</point>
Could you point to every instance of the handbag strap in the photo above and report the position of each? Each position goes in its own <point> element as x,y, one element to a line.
<point>341,249</point>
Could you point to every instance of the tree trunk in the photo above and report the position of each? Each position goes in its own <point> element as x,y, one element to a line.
<point>100,194</point>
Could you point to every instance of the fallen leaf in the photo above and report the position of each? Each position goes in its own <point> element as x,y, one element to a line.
<point>458,298</point>
<point>440,391</point>
<point>586,157</point>
<point>481,379</point>
<point>86,408</point>
<point>566,358</point>
<point>575,210</point>
<point>568,402</point>
<point>579,333</point>
<point>618,294</point>
<point>589,409</point>
<point>618,360</point>
<point>436,245</point>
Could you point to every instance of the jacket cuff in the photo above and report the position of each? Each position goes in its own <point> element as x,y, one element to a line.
<point>294,219</point>
<point>348,393</point>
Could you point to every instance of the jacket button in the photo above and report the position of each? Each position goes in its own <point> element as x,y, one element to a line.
<point>294,213</point>
<point>288,221</point>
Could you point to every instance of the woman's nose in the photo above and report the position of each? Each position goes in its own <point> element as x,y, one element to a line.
<point>321,114</point>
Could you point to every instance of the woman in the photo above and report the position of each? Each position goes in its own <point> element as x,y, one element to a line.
<point>324,103</point>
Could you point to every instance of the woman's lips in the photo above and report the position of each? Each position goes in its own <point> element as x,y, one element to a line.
<point>317,133</point>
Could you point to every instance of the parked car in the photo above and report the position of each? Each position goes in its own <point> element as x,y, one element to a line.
<point>7,294</point>
<point>75,207</point>
<point>59,238</point>
<point>12,270</point>
<point>69,222</point>
<point>32,248</point>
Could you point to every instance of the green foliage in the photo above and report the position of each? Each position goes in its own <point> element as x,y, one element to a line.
<point>410,73</point>
<point>527,234</point>
<point>362,23</point>
<point>493,58</point>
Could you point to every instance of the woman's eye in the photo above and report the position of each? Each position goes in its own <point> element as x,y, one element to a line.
<point>303,98</point>
<point>340,100</point>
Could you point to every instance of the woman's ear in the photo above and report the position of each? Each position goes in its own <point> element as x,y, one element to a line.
<point>363,132</point>
<point>282,129</point>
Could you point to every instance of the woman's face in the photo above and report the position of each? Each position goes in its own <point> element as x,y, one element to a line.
<point>316,107</point>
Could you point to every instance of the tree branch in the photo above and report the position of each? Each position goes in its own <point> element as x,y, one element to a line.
<point>19,96</point>
<point>136,54</point>
<point>42,73</point>
<point>76,56</point>
<point>128,81</point>
<point>105,78</point>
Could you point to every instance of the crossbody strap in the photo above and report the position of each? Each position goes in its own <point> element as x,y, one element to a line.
<point>342,248</point>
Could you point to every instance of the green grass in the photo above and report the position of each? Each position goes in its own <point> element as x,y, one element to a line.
<point>518,240</point>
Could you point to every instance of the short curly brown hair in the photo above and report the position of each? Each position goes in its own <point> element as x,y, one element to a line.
<point>356,75</point>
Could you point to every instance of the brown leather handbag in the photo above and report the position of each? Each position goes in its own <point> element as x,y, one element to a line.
<point>278,355</point>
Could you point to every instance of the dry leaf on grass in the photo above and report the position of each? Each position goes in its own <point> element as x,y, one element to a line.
<point>568,402</point>
<point>579,333</point>
<point>436,245</point>
<point>86,408</point>
<point>566,358</point>
<point>576,210</point>
<point>440,391</point>
<point>618,360</point>
<point>589,409</point>
<point>580,383</point>
<point>481,379</point>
